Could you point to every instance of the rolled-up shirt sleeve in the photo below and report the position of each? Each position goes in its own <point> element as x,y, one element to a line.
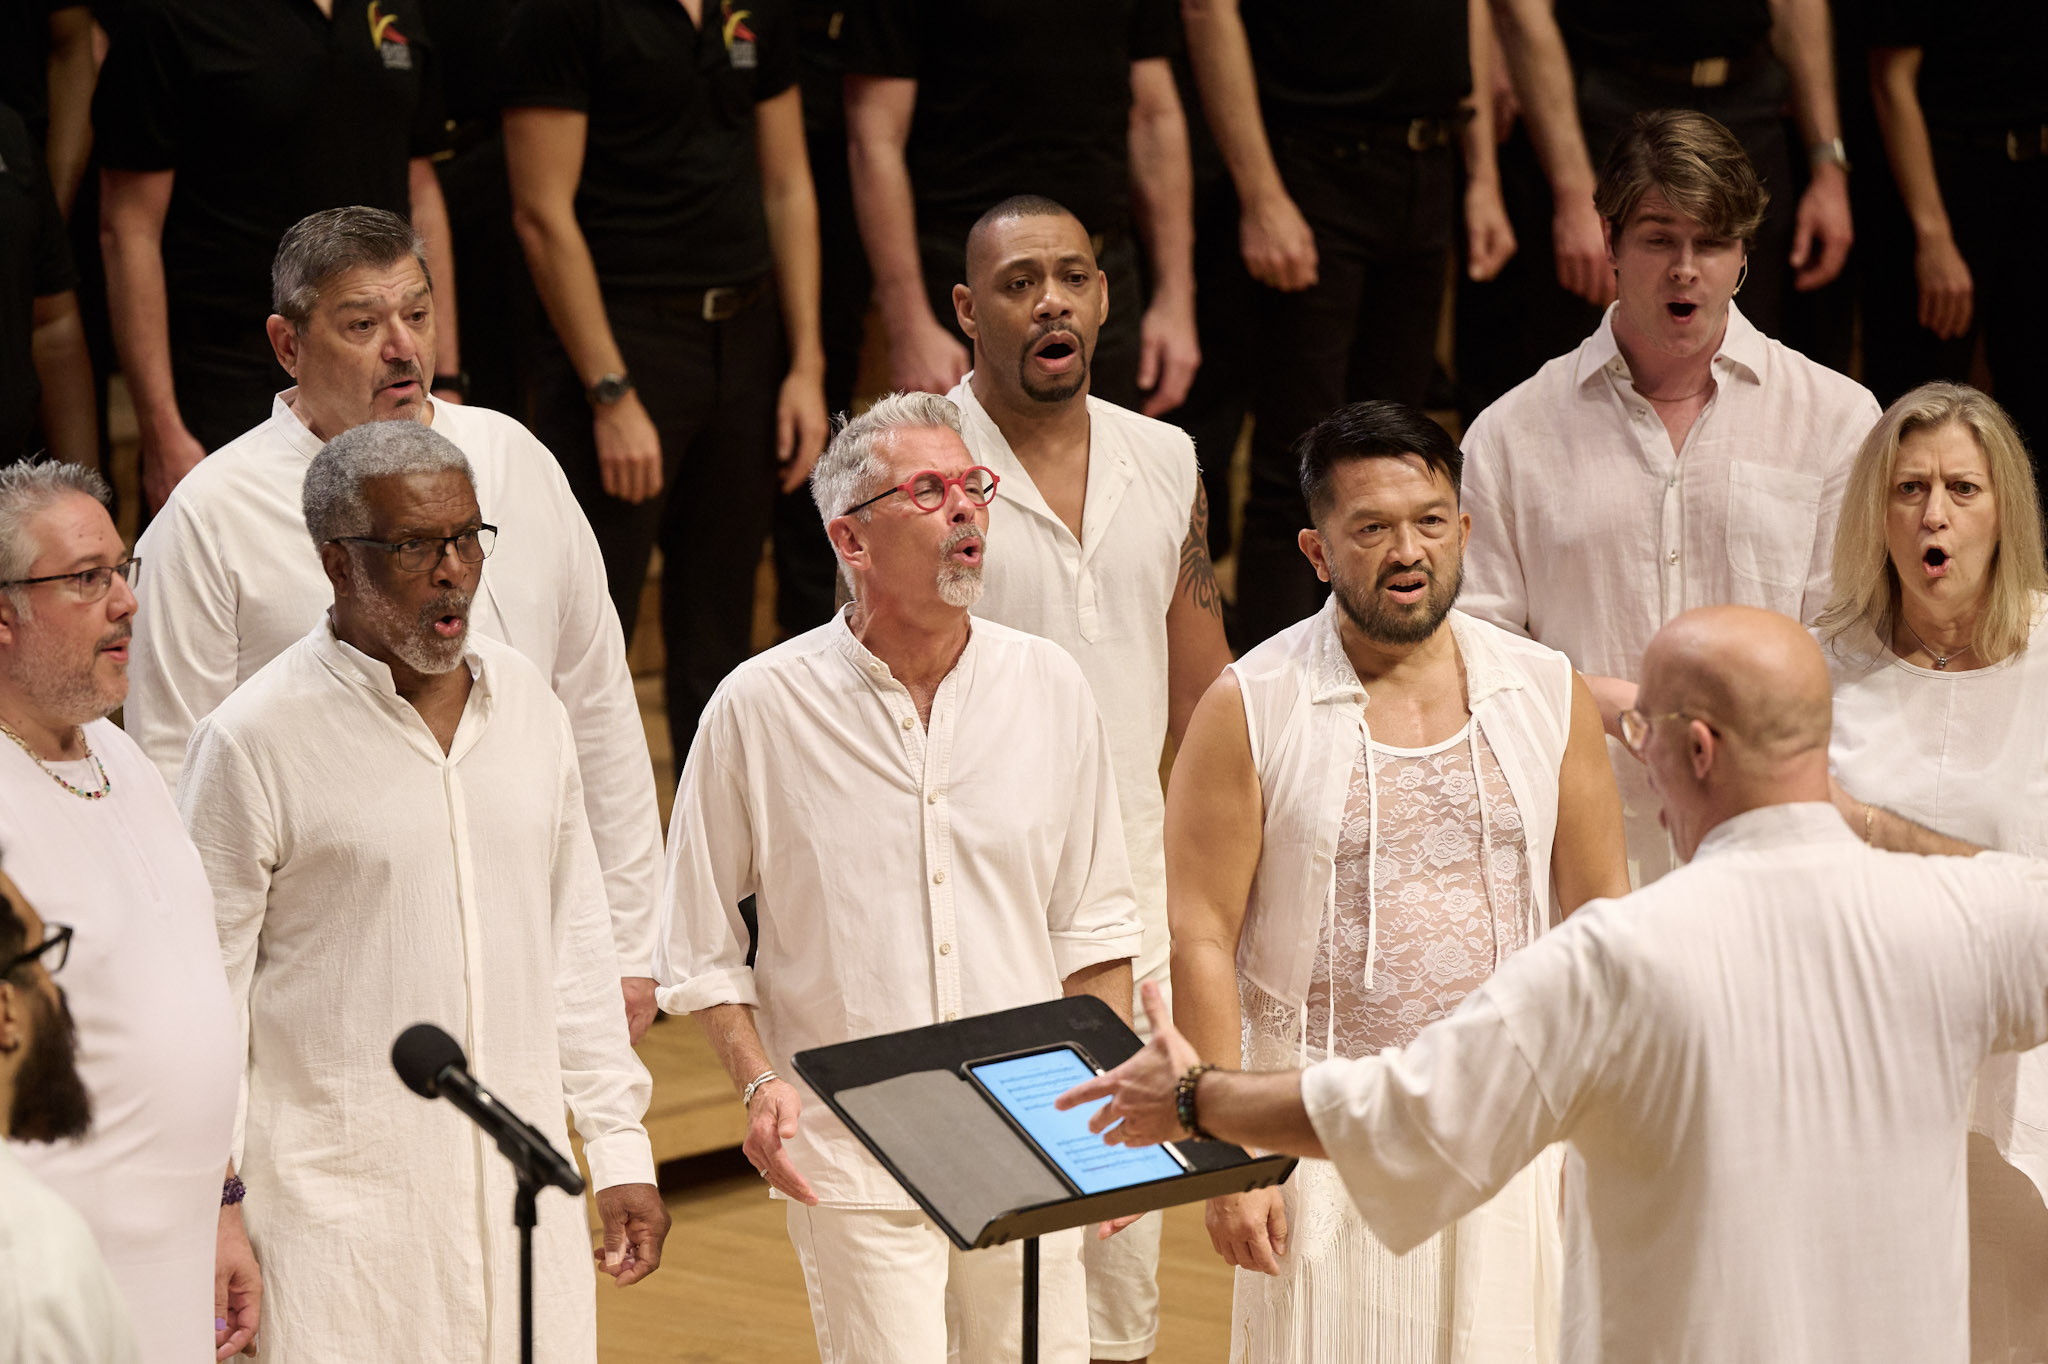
<point>1093,913</point>
<point>703,959</point>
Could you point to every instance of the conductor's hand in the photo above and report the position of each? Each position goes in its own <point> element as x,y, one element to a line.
<point>1141,1110</point>
<point>771,1122</point>
<point>635,1225</point>
<point>1249,1230</point>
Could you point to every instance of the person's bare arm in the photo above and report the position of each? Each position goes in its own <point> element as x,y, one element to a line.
<point>1108,981</point>
<point>1489,237</point>
<point>1543,83</point>
<point>1589,859</point>
<point>790,202</point>
<point>1892,832</point>
<point>1279,246</point>
<point>73,71</point>
<point>64,370</point>
<point>1163,207</point>
<point>923,355</point>
<point>1822,229</point>
<point>1947,291</point>
<point>132,209</point>
<point>544,161</point>
<point>430,220</point>
<point>772,1117</point>
<point>1196,650</point>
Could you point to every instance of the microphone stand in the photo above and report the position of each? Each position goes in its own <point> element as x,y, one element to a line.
<point>525,1216</point>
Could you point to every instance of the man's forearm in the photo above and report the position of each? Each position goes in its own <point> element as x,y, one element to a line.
<point>1205,1002</point>
<point>1542,72</point>
<point>886,212</point>
<point>72,73</point>
<point>1262,1112</point>
<point>1477,141</point>
<point>730,1030</point>
<point>565,277</point>
<point>791,207</point>
<point>430,220</point>
<point>139,314</point>
<point>1801,37</point>
<point>1162,193</point>
<point>1222,59</point>
<point>1108,981</point>
<point>1895,96</point>
<point>64,370</point>
<point>1892,832</point>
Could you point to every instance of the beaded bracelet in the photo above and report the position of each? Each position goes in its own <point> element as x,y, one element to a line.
<point>233,1192</point>
<point>1184,1102</point>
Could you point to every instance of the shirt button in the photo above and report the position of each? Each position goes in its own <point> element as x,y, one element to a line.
<point>945,949</point>
<point>938,878</point>
<point>931,798</point>
<point>907,722</point>
<point>875,668</point>
<point>1673,556</point>
<point>951,1015</point>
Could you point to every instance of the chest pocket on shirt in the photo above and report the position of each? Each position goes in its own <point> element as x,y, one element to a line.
<point>1772,516</point>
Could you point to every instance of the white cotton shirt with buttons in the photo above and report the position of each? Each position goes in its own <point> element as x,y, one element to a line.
<point>1103,597</point>
<point>902,876</point>
<point>1589,531</point>
<point>1763,1067</point>
<point>230,580</point>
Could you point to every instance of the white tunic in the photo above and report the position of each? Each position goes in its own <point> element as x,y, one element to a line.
<point>903,875</point>
<point>1762,1064</point>
<point>156,1032</point>
<point>230,580</point>
<point>58,1304</point>
<point>1103,598</point>
<point>368,881</point>
<point>1589,531</point>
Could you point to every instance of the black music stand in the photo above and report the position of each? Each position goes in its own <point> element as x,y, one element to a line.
<point>905,1096</point>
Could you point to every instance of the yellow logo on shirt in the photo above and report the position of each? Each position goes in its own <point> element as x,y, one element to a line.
<point>739,39</point>
<point>392,46</point>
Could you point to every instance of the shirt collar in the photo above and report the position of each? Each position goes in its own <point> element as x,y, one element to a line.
<point>294,432</point>
<point>1742,349</point>
<point>354,665</point>
<point>1769,827</point>
<point>867,663</point>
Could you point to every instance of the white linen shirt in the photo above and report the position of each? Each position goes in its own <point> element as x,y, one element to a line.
<point>902,876</point>
<point>230,580</point>
<point>1589,531</point>
<point>366,881</point>
<point>1103,598</point>
<point>58,1304</point>
<point>156,1031</point>
<point>1762,1064</point>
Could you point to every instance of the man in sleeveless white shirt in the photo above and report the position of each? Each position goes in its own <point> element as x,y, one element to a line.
<point>1678,458</point>
<point>1101,545</point>
<point>1371,813</point>
<point>1762,1064</point>
<point>91,836</point>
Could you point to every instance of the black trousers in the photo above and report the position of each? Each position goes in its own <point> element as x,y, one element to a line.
<point>1113,374</point>
<point>1383,217</point>
<point>1213,413</point>
<point>710,388</point>
<point>1996,208</point>
<point>225,376</point>
<point>1508,327</point>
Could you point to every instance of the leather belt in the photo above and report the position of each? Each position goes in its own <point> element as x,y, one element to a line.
<point>1705,73</point>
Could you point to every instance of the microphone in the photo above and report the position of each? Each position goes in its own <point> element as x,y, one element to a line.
<point>432,1065</point>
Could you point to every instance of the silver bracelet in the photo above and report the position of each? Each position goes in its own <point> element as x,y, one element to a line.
<point>747,1099</point>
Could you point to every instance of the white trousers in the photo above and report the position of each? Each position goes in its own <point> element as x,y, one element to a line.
<point>887,1287</point>
<point>1123,1272</point>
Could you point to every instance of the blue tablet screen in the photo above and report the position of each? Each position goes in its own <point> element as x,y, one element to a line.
<point>1026,1086</point>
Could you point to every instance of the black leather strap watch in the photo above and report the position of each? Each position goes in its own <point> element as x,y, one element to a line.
<point>456,383</point>
<point>609,389</point>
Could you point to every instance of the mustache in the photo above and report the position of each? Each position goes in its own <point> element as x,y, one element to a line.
<point>959,536</point>
<point>398,373</point>
<point>120,634</point>
<point>449,603</point>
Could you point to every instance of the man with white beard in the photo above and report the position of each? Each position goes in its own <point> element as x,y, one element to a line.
<point>922,806</point>
<point>392,821</point>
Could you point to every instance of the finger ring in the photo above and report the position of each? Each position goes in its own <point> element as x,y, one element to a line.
<point>761,1172</point>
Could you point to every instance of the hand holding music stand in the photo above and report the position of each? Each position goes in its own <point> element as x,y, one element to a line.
<point>907,1097</point>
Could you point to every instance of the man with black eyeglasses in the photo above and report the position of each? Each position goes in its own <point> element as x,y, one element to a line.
<point>93,838</point>
<point>237,582</point>
<point>64,1303</point>
<point>391,818</point>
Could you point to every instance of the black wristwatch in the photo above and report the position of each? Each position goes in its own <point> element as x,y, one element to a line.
<point>456,383</point>
<point>609,389</point>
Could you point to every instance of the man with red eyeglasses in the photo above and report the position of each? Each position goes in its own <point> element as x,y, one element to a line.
<point>922,806</point>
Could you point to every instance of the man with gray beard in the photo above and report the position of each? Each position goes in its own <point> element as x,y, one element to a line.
<point>391,818</point>
<point>922,806</point>
<point>1371,812</point>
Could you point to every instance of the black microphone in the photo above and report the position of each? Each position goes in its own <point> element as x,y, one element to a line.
<point>432,1065</point>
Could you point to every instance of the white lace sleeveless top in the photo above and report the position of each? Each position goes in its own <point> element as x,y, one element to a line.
<point>1443,856</point>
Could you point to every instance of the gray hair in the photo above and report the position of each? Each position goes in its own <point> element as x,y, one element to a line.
<point>852,469</point>
<point>26,490</point>
<point>322,245</point>
<point>333,498</point>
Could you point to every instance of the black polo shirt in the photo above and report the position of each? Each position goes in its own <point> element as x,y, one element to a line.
<point>1338,63</point>
<point>1014,98</point>
<point>267,111</point>
<point>1675,32</point>
<point>671,190</point>
<point>35,261</point>
<point>1983,63</point>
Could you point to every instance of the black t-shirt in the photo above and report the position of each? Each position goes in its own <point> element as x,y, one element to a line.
<point>1014,98</point>
<point>1983,63</point>
<point>267,112</point>
<point>466,37</point>
<point>671,190</point>
<point>1338,63</point>
<point>1670,31</point>
<point>35,261</point>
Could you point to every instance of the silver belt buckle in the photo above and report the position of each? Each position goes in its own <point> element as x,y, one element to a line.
<point>1710,73</point>
<point>714,300</point>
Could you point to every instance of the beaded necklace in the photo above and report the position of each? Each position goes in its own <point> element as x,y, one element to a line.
<point>106,782</point>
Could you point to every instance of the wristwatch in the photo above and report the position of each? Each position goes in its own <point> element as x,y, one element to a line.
<point>456,383</point>
<point>610,389</point>
<point>1833,152</point>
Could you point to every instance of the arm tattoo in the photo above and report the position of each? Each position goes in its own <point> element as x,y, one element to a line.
<point>1197,575</point>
